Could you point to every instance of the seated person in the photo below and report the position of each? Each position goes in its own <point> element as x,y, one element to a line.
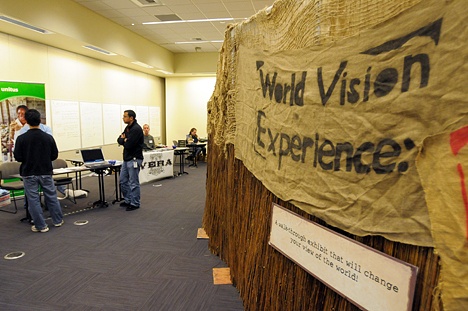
<point>192,138</point>
<point>148,143</point>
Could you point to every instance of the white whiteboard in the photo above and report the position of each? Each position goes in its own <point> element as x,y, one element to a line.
<point>66,124</point>
<point>78,125</point>
<point>142,115</point>
<point>112,122</point>
<point>91,125</point>
<point>155,121</point>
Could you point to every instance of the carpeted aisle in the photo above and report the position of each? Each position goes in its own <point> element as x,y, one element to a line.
<point>148,259</point>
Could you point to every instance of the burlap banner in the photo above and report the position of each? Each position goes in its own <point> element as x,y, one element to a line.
<point>443,164</point>
<point>336,129</point>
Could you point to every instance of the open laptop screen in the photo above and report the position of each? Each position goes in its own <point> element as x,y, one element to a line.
<point>92,155</point>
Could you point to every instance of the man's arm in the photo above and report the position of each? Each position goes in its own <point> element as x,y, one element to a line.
<point>134,138</point>
<point>53,149</point>
<point>121,139</point>
<point>18,152</point>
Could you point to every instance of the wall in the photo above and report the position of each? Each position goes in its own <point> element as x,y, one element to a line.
<point>72,77</point>
<point>186,105</point>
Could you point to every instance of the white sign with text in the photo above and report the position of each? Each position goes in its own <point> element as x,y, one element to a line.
<point>370,279</point>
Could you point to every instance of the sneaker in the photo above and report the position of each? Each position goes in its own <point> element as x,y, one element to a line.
<point>59,224</point>
<point>34,229</point>
<point>124,204</point>
<point>132,208</point>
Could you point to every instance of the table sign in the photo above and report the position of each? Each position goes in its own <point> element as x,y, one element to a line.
<point>157,164</point>
<point>368,278</point>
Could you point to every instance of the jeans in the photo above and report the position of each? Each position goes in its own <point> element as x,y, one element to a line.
<point>31,188</point>
<point>130,182</point>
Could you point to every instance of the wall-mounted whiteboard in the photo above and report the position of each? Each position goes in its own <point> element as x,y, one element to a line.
<point>66,124</point>
<point>155,121</point>
<point>142,115</point>
<point>91,125</point>
<point>112,122</point>
<point>77,125</point>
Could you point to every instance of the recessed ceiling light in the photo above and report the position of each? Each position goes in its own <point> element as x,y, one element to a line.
<point>190,42</point>
<point>190,21</point>
<point>164,71</point>
<point>142,64</point>
<point>99,50</point>
<point>25,25</point>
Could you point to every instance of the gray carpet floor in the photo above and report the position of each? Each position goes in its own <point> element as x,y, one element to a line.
<point>147,259</point>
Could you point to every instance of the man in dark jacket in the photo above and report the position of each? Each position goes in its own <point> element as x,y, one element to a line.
<point>132,141</point>
<point>36,150</point>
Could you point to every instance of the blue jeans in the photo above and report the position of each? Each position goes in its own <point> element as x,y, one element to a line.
<point>130,182</point>
<point>31,188</point>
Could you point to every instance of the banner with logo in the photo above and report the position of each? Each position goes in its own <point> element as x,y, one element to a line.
<point>14,96</point>
<point>443,165</point>
<point>336,129</point>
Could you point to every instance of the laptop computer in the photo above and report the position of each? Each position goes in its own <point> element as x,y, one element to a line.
<point>93,158</point>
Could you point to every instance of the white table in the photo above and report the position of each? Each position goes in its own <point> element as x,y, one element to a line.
<point>157,164</point>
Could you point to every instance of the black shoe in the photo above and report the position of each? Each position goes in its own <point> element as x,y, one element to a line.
<point>125,204</point>
<point>132,208</point>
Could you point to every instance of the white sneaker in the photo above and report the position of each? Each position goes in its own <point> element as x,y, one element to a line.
<point>34,229</point>
<point>59,224</point>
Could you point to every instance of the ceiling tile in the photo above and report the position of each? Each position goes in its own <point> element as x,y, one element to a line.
<point>120,4</point>
<point>125,12</point>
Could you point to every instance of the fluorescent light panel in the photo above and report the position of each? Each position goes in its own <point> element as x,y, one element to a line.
<point>24,25</point>
<point>164,71</point>
<point>142,64</point>
<point>191,42</point>
<point>99,50</point>
<point>191,21</point>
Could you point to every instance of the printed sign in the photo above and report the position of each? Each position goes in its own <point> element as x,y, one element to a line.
<point>335,130</point>
<point>368,278</point>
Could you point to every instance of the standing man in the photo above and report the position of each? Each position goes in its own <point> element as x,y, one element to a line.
<point>149,140</point>
<point>36,150</point>
<point>132,141</point>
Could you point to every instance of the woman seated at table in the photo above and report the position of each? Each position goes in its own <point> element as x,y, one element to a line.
<point>192,138</point>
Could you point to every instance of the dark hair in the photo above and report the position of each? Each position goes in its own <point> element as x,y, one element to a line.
<point>33,117</point>
<point>22,107</point>
<point>131,113</point>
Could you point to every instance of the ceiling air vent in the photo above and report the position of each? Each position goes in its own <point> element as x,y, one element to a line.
<point>146,3</point>
<point>168,17</point>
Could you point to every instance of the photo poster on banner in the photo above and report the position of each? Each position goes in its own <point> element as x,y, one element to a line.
<point>112,123</point>
<point>66,124</point>
<point>91,124</point>
<point>13,95</point>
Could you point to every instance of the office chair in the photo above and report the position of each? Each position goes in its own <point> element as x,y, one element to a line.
<point>64,180</point>
<point>191,157</point>
<point>7,169</point>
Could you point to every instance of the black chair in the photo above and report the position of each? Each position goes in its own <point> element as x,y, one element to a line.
<point>7,170</point>
<point>64,179</point>
<point>192,157</point>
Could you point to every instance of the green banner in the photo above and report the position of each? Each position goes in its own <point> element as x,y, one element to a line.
<point>15,89</point>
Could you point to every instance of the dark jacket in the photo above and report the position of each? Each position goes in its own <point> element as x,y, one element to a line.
<point>133,147</point>
<point>35,150</point>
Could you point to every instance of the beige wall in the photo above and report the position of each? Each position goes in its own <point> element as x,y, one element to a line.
<point>72,77</point>
<point>186,105</point>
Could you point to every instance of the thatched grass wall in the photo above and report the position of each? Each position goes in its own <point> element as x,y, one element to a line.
<point>237,220</point>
